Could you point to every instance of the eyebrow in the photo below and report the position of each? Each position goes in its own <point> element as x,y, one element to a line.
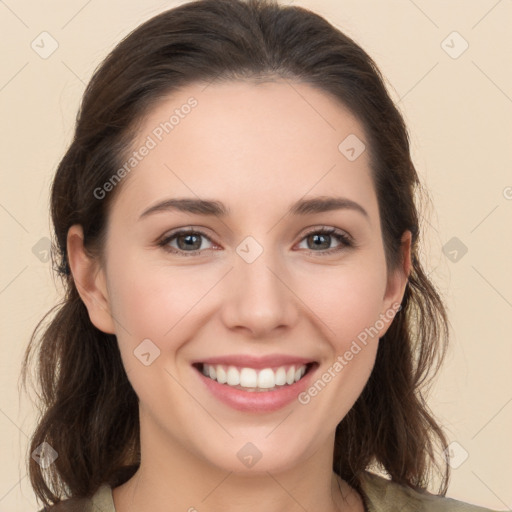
<point>216,208</point>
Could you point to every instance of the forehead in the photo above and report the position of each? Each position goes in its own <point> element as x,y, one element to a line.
<point>250,145</point>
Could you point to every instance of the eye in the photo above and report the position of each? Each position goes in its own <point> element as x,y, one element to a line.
<point>322,238</point>
<point>189,242</point>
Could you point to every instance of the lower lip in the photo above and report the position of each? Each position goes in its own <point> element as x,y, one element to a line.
<point>257,401</point>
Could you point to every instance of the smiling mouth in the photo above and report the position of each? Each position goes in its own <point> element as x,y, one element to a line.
<point>255,380</point>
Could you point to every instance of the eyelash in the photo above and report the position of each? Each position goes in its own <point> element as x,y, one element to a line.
<point>345,241</point>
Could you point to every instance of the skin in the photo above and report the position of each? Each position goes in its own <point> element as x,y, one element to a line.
<point>257,148</point>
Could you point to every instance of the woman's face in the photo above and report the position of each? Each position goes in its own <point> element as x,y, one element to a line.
<point>246,281</point>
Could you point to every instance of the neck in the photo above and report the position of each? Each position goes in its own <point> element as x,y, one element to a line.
<point>170,478</point>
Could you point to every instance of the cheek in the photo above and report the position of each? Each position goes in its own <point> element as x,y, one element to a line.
<point>349,302</point>
<point>346,299</point>
<point>150,300</point>
<point>152,306</point>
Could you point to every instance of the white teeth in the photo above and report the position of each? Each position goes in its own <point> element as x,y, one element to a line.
<point>266,379</point>
<point>281,377</point>
<point>248,378</point>
<point>252,379</point>
<point>290,376</point>
<point>222,376</point>
<point>233,376</point>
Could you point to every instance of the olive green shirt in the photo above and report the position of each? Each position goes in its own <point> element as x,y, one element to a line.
<point>380,494</point>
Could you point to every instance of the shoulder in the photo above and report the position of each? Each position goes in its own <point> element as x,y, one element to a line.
<point>386,496</point>
<point>101,501</point>
<point>70,505</point>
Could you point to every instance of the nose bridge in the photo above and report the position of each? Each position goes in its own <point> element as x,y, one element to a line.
<point>258,298</point>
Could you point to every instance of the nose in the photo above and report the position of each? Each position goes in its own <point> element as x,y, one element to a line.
<point>259,297</point>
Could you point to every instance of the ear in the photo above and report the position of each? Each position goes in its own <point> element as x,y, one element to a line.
<point>89,280</point>
<point>397,281</point>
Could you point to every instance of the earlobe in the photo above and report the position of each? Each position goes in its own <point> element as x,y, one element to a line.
<point>89,280</point>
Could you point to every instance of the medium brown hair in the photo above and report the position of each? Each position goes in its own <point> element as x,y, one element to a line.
<point>88,408</point>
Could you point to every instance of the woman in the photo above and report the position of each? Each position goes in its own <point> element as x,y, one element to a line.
<point>247,324</point>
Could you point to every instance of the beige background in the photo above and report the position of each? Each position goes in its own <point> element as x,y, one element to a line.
<point>459,112</point>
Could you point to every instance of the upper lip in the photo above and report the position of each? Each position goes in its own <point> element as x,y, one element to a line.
<point>256,362</point>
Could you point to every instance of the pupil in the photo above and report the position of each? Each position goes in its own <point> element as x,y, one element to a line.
<point>317,237</point>
<point>190,244</point>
